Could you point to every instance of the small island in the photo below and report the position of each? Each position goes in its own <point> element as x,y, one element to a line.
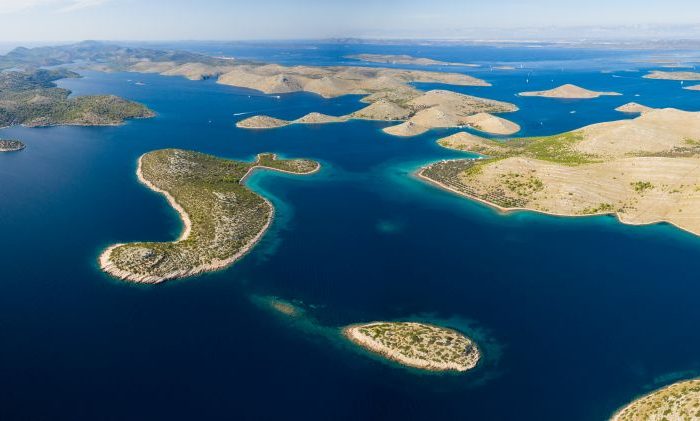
<point>679,401</point>
<point>643,170</point>
<point>222,218</point>
<point>417,345</point>
<point>569,91</point>
<point>404,59</point>
<point>267,122</point>
<point>680,76</point>
<point>11,145</point>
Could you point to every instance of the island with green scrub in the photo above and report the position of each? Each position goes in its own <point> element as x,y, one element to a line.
<point>643,170</point>
<point>10,145</point>
<point>31,98</point>
<point>222,218</point>
<point>416,345</point>
<point>679,401</point>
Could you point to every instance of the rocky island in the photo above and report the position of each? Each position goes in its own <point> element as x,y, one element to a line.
<point>11,145</point>
<point>31,98</point>
<point>417,345</point>
<point>222,218</point>
<point>645,170</point>
<point>267,122</point>
<point>404,59</point>
<point>679,401</point>
<point>569,91</point>
<point>417,111</point>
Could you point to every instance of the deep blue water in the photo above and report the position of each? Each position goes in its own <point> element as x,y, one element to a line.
<point>576,316</point>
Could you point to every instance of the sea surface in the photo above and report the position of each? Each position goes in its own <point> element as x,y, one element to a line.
<point>576,317</point>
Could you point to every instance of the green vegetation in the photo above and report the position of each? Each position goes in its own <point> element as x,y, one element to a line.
<point>453,175</point>
<point>556,148</point>
<point>601,208</point>
<point>522,185</point>
<point>642,186</point>
<point>32,99</point>
<point>226,218</point>
<point>417,345</point>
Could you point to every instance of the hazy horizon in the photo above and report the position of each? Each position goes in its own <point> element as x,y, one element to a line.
<point>158,20</point>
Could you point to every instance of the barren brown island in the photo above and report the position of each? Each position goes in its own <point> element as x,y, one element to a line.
<point>644,171</point>
<point>417,345</point>
<point>223,219</point>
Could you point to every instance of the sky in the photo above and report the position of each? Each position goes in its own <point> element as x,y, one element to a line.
<point>157,20</point>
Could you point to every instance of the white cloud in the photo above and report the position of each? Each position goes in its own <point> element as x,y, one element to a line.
<point>14,6</point>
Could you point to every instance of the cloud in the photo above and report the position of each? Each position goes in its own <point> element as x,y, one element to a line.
<point>62,6</point>
<point>74,5</point>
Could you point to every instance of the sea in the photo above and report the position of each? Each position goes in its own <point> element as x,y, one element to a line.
<point>574,317</point>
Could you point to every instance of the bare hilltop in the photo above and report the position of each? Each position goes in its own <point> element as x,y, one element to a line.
<point>568,91</point>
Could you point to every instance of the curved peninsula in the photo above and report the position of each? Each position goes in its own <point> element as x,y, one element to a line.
<point>644,171</point>
<point>679,401</point>
<point>11,145</point>
<point>417,345</point>
<point>223,219</point>
<point>569,91</point>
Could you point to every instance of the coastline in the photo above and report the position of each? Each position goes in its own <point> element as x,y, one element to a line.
<point>505,211</point>
<point>365,342</point>
<point>616,415</point>
<point>107,266</point>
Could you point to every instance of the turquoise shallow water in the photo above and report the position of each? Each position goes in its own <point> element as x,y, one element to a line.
<point>578,316</point>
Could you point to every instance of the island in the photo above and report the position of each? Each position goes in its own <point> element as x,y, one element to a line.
<point>569,91</point>
<point>417,111</point>
<point>633,108</point>
<point>416,345</point>
<point>643,170</point>
<point>679,401</point>
<point>488,123</point>
<point>404,59</point>
<point>222,218</point>
<point>11,145</point>
<point>32,99</point>
<point>267,122</point>
<point>681,76</point>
